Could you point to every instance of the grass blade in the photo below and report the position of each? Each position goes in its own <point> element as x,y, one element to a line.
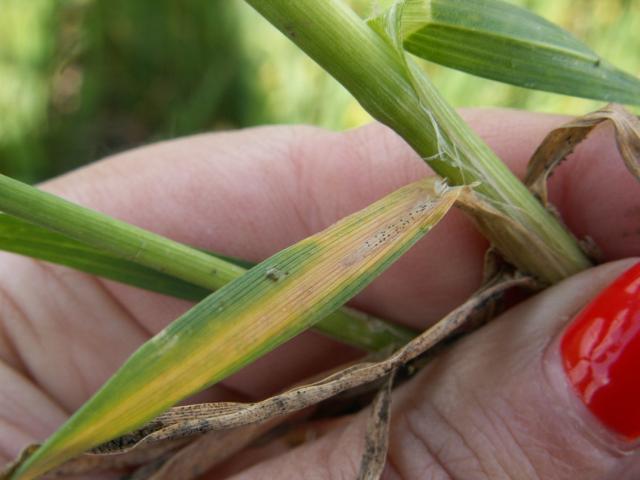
<point>53,229</point>
<point>24,238</point>
<point>250,316</point>
<point>118,238</point>
<point>508,43</point>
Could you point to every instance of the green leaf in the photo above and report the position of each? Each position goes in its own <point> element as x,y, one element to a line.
<point>113,236</point>
<point>24,238</point>
<point>504,42</point>
<point>271,303</point>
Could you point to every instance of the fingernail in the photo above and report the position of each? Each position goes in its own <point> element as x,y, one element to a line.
<point>601,355</point>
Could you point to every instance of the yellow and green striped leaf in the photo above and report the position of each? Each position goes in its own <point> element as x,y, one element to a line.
<point>271,303</point>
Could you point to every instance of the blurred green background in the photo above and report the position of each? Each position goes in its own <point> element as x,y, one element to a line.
<point>80,79</point>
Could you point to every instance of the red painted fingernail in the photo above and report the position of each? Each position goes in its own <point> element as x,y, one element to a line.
<point>601,355</point>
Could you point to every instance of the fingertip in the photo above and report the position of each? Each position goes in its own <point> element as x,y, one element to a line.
<point>592,363</point>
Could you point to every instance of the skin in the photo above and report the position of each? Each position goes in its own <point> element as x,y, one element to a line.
<point>495,405</point>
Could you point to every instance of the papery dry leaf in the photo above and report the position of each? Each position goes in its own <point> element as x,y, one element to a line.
<point>377,436</point>
<point>559,143</point>
<point>212,448</point>
<point>495,224</point>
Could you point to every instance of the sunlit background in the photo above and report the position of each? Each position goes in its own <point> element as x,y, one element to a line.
<point>80,79</point>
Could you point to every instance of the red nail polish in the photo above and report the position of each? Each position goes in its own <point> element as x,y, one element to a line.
<point>601,355</point>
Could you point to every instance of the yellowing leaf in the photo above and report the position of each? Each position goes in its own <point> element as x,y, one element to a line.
<point>248,317</point>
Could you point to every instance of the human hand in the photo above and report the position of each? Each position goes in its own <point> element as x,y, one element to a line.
<point>496,405</point>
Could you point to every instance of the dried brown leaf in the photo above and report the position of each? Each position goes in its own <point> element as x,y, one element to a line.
<point>377,437</point>
<point>496,224</point>
<point>559,143</point>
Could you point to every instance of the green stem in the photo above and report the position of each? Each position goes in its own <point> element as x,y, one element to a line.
<point>172,258</point>
<point>400,95</point>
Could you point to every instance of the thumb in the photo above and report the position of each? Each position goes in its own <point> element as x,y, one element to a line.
<point>548,390</point>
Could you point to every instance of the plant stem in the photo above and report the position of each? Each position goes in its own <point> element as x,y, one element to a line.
<point>172,258</point>
<point>398,94</point>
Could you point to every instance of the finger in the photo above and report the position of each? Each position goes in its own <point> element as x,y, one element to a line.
<point>500,405</point>
<point>251,193</point>
<point>22,420</point>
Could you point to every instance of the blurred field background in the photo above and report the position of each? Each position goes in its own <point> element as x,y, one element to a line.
<point>80,79</point>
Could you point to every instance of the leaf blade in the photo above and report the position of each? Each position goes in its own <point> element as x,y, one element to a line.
<point>500,41</point>
<point>23,238</point>
<point>248,317</point>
